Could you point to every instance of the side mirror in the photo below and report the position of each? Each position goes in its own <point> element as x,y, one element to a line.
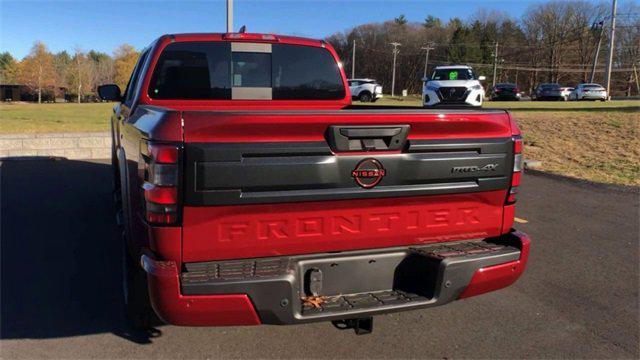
<point>425,79</point>
<point>109,92</point>
<point>482,78</point>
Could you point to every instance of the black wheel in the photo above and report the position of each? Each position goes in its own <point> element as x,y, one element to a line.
<point>137,307</point>
<point>114,168</point>
<point>365,97</point>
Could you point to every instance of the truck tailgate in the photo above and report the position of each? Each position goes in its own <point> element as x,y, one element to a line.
<point>267,183</point>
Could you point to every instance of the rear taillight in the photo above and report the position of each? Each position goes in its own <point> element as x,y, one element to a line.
<point>517,170</point>
<point>161,183</point>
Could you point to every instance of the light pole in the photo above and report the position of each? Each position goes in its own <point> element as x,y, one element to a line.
<point>229,16</point>
<point>612,37</point>
<point>595,58</point>
<point>393,76</point>
<point>429,47</point>
<point>495,64</point>
<point>353,60</point>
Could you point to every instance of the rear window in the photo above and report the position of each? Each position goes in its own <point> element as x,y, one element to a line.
<point>192,71</point>
<point>592,86</point>
<point>210,70</point>
<point>550,87</point>
<point>305,73</point>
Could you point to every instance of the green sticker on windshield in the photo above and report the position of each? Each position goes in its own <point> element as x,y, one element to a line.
<point>453,75</point>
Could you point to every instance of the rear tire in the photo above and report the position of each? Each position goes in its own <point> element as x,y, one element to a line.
<point>114,168</point>
<point>137,306</point>
<point>365,97</point>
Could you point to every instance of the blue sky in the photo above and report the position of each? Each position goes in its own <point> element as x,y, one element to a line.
<point>103,25</point>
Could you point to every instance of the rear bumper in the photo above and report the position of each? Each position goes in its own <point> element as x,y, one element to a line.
<point>507,96</point>
<point>356,284</point>
<point>550,97</point>
<point>592,96</point>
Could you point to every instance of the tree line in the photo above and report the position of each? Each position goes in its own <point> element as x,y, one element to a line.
<point>551,42</point>
<point>75,76</point>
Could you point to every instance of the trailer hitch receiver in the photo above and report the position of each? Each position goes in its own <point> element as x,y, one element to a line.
<point>361,326</point>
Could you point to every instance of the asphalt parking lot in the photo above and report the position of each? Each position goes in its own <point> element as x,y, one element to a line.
<point>60,284</point>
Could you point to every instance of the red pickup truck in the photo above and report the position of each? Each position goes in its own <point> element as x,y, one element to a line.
<point>252,192</point>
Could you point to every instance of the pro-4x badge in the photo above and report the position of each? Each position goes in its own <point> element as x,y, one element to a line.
<point>470,169</point>
<point>368,173</point>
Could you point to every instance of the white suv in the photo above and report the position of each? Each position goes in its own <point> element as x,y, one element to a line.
<point>365,90</point>
<point>452,86</point>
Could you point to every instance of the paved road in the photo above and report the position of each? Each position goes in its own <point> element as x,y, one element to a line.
<point>60,295</point>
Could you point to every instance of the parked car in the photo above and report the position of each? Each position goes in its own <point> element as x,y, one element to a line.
<point>547,92</point>
<point>291,206</point>
<point>365,90</point>
<point>565,92</point>
<point>505,92</point>
<point>453,86</point>
<point>589,92</point>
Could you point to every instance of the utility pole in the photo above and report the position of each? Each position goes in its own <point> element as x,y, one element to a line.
<point>429,47</point>
<point>595,59</point>
<point>229,16</point>
<point>495,64</point>
<point>635,72</point>
<point>612,38</point>
<point>353,60</point>
<point>393,76</point>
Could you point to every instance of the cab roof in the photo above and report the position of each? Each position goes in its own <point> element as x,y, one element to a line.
<point>248,37</point>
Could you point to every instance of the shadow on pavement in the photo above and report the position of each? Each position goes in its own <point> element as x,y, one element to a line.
<point>60,251</point>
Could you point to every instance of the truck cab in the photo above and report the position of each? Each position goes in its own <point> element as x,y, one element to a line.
<point>250,191</point>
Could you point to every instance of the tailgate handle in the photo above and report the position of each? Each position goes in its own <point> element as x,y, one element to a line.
<point>367,138</point>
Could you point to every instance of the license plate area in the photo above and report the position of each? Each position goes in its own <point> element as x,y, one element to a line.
<point>403,271</point>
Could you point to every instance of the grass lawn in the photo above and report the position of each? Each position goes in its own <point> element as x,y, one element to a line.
<point>597,141</point>
<point>39,118</point>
